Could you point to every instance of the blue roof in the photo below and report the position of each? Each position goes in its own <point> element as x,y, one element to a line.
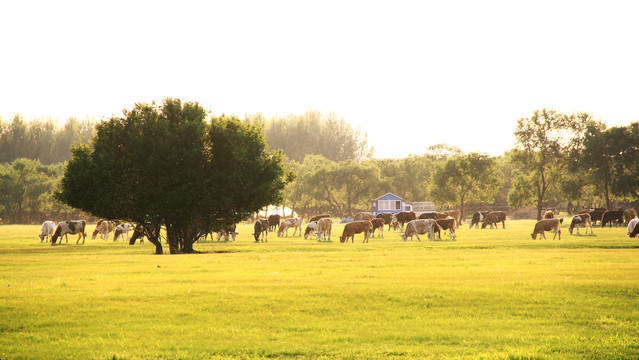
<point>390,196</point>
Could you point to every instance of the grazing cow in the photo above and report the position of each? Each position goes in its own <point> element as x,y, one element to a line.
<point>628,215</point>
<point>138,233</point>
<point>549,214</point>
<point>317,217</point>
<point>596,214</point>
<point>612,216</point>
<point>324,227</point>
<point>103,227</point>
<point>388,218</point>
<point>228,231</point>
<point>404,217</point>
<point>578,220</point>
<point>47,229</point>
<point>427,215</point>
<point>546,225</point>
<point>420,226</point>
<point>633,229</point>
<point>477,218</point>
<point>356,227</point>
<point>363,216</point>
<point>295,223</point>
<point>455,214</point>
<point>446,224</point>
<point>121,229</point>
<point>260,228</point>
<point>70,227</point>
<point>310,227</point>
<point>378,224</point>
<point>494,217</point>
<point>273,222</point>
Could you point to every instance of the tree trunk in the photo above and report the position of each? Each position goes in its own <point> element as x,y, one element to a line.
<point>157,243</point>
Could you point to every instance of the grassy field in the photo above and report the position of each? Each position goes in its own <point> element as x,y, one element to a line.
<point>492,294</point>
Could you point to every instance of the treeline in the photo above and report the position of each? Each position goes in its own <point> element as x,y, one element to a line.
<point>42,139</point>
<point>561,161</point>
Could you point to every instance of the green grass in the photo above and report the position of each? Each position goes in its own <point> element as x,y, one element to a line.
<point>492,294</point>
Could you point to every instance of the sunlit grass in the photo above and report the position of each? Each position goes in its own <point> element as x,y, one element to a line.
<point>490,294</point>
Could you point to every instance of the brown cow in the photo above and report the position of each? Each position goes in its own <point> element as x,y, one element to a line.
<point>580,219</point>
<point>455,214</point>
<point>446,224</point>
<point>546,225</point>
<point>324,227</point>
<point>356,227</point>
<point>405,216</point>
<point>494,217</point>
<point>363,216</point>
<point>612,216</point>
<point>378,224</point>
<point>273,222</point>
<point>317,217</point>
<point>70,227</point>
<point>549,214</point>
<point>628,215</point>
<point>388,218</point>
<point>103,227</point>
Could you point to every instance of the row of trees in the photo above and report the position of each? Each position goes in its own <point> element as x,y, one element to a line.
<point>42,139</point>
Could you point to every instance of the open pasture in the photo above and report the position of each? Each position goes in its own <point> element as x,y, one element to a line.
<point>492,294</point>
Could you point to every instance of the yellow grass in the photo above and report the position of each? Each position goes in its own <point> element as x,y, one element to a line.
<point>490,294</point>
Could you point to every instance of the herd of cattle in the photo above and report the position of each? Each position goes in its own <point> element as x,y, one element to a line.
<point>363,223</point>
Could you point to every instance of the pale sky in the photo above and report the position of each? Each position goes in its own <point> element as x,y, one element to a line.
<point>409,73</point>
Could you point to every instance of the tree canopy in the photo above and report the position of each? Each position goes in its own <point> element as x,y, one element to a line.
<point>165,165</point>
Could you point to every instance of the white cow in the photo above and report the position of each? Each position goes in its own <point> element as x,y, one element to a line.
<point>122,229</point>
<point>632,225</point>
<point>48,227</point>
<point>295,223</point>
<point>420,226</point>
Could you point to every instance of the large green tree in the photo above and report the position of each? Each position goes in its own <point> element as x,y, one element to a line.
<point>166,165</point>
<point>543,143</point>
<point>462,178</point>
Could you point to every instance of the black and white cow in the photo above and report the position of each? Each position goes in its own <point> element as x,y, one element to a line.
<point>477,218</point>
<point>260,228</point>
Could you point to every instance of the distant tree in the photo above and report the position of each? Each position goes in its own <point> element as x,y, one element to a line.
<point>440,152</point>
<point>342,188</point>
<point>315,134</point>
<point>543,143</point>
<point>24,185</point>
<point>626,161</point>
<point>41,139</point>
<point>465,177</point>
<point>165,165</point>
<point>408,177</point>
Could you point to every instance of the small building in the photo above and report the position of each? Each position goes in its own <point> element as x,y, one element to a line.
<point>391,203</point>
